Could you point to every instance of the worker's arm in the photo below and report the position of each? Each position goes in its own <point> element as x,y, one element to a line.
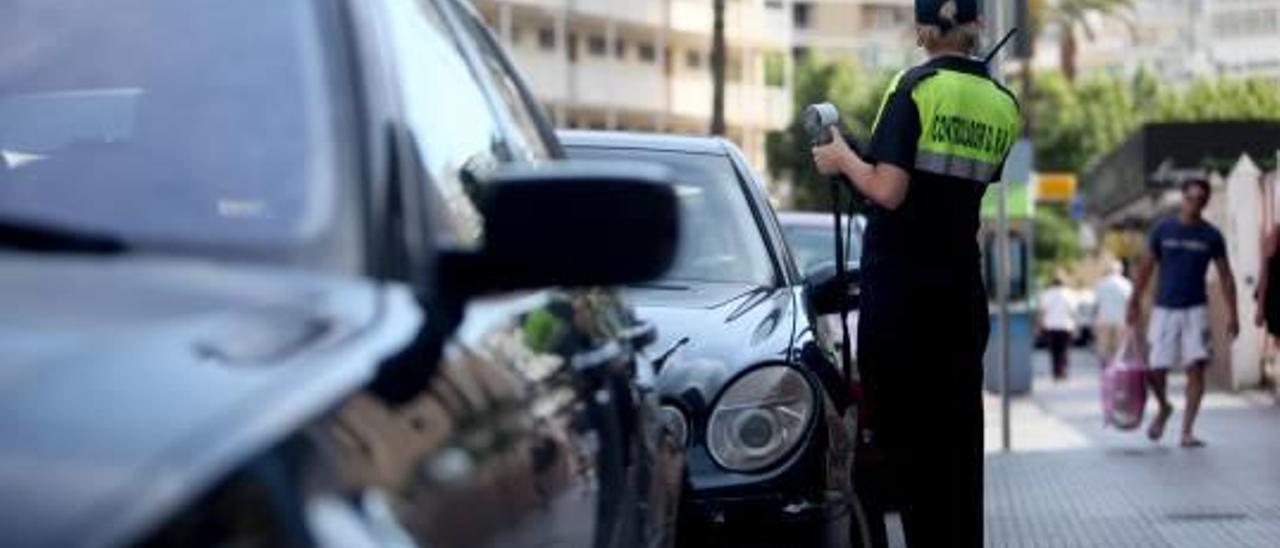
<point>1145,268</point>
<point>1228,281</point>
<point>883,183</point>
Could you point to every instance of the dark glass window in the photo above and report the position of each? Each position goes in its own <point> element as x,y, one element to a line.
<point>720,240</point>
<point>801,13</point>
<point>597,46</point>
<point>647,52</point>
<point>547,38</point>
<point>173,123</point>
<point>693,59</point>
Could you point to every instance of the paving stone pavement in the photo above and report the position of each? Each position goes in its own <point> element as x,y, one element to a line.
<point>1070,482</point>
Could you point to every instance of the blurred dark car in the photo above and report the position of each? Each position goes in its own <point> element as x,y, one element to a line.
<point>271,271</point>
<point>812,240</point>
<point>769,417</point>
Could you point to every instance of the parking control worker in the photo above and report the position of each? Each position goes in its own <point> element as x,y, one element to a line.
<point>942,134</point>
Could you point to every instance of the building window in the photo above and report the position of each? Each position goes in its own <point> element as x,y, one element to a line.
<point>647,52</point>
<point>733,69</point>
<point>801,13</point>
<point>693,59</point>
<point>620,48</point>
<point>773,4</point>
<point>886,18</point>
<point>903,17</point>
<point>572,49</point>
<point>597,46</point>
<point>775,69</point>
<point>547,38</point>
<point>800,53</point>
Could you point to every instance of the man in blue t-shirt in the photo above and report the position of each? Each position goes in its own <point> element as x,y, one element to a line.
<point>1183,246</point>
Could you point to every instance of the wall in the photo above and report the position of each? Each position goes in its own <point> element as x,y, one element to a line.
<point>1238,212</point>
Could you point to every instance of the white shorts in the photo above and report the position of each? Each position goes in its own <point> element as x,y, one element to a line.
<point>1179,337</point>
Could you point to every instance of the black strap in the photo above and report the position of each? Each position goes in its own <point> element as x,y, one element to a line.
<point>914,76</point>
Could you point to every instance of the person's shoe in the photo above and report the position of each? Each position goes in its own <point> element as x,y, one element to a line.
<point>1191,442</point>
<point>1156,430</point>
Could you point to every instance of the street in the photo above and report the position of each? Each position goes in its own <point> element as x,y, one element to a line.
<point>1070,482</point>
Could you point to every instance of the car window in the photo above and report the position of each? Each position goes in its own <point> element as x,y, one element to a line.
<point>720,240</point>
<point>457,133</point>
<point>814,246</point>
<point>167,123</point>
<point>529,140</point>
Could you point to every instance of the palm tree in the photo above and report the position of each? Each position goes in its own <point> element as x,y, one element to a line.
<point>1070,16</point>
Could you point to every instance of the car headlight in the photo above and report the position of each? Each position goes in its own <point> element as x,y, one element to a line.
<point>760,418</point>
<point>673,420</point>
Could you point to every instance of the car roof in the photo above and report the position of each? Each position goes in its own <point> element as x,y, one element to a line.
<point>810,219</point>
<point>693,144</point>
<point>804,218</point>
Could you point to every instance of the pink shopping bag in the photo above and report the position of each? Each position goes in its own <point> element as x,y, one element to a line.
<point>1124,386</point>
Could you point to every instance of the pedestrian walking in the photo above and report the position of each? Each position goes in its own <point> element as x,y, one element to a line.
<point>942,134</point>
<point>1178,330</point>
<point>1267,314</point>
<point>1112,293</point>
<point>1058,323</point>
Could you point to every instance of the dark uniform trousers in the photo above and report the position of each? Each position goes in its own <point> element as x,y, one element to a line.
<point>920,347</point>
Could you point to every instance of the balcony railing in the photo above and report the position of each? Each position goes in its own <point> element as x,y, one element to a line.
<point>627,86</point>
<point>754,105</point>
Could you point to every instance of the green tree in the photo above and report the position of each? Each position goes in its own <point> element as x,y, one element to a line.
<point>1059,135</point>
<point>1056,241</point>
<point>1082,121</point>
<point>855,92</point>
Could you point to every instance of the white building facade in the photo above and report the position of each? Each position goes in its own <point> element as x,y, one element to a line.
<point>875,34</point>
<point>1179,40</point>
<point>645,65</point>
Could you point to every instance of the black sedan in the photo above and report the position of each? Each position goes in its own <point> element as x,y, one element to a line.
<point>275,273</point>
<point>812,239</point>
<point>769,417</point>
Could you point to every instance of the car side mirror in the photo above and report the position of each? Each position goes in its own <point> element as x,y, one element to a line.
<point>570,224</point>
<point>827,294</point>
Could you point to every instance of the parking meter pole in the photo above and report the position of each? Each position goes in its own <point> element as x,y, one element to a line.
<point>1001,10</point>
<point>1002,299</point>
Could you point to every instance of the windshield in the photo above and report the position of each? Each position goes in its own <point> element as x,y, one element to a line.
<point>815,246</point>
<point>719,238</point>
<point>165,122</point>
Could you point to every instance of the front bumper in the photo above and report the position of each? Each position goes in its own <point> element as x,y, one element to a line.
<point>767,521</point>
<point>806,501</point>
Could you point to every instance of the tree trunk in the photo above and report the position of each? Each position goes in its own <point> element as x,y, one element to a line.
<point>1067,54</point>
<point>1027,51</point>
<point>717,69</point>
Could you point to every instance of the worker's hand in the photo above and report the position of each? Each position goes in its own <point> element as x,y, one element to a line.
<point>1134,313</point>
<point>1233,327</point>
<point>833,158</point>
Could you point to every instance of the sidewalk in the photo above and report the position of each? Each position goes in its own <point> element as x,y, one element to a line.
<point>1070,482</point>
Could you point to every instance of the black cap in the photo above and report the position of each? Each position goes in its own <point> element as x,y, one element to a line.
<point>946,14</point>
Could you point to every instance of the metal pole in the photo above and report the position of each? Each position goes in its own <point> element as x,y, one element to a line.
<point>1002,274</point>
<point>1002,298</point>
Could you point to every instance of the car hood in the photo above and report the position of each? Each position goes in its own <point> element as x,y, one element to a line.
<point>728,327</point>
<point>128,385</point>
